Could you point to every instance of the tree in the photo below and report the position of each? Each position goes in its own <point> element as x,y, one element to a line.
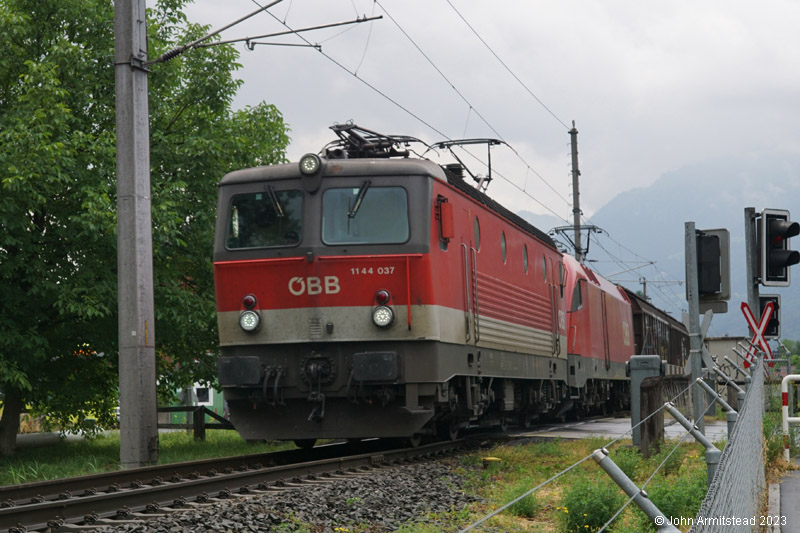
<point>794,354</point>
<point>58,318</point>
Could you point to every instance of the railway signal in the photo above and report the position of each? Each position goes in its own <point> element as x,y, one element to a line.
<point>713,269</point>
<point>775,230</point>
<point>773,327</point>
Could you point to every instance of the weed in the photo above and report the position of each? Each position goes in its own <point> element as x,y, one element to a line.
<point>677,495</point>
<point>672,463</point>
<point>589,503</point>
<point>527,507</point>
<point>773,436</point>
<point>628,460</point>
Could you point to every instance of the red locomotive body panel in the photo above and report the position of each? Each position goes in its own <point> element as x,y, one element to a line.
<point>501,277</point>
<point>600,319</point>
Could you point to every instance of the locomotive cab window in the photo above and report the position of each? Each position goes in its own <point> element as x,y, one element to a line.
<point>265,219</point>
<point>577,295</point>
<point>365,215</point>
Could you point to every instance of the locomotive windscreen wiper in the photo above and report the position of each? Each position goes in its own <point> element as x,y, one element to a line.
<point>362,191</point>
<point>276,203</point>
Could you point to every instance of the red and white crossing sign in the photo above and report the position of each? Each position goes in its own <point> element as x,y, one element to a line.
<point>758,331</point>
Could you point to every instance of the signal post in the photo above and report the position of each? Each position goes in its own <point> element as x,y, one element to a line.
<point>768,260</point>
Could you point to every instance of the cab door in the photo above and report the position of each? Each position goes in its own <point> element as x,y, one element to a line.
<point>469,274</point>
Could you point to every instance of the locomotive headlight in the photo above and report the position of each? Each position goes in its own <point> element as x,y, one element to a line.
<point>383,316</point>
<point>249,320</point>
<point>309,164</point>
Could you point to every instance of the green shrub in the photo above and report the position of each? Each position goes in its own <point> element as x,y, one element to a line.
<point>671,464</point>
<point>589,503</point>
<point>629,460</point>
<point>676,496</point>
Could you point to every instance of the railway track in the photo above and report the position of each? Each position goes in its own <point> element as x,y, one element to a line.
<point>140,494</point>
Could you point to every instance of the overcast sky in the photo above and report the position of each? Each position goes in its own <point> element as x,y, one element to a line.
<point>652,86</point>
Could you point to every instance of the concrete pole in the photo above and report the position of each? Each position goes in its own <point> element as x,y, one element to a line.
<point>695,337</point>
<point>576,203</point>
<point>137,374</point>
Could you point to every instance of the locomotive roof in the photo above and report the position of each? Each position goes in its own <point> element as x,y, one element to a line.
<point>386,167</point>
<point>342,167</point>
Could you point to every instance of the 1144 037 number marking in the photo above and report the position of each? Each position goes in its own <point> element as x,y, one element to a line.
<point>363,271</point>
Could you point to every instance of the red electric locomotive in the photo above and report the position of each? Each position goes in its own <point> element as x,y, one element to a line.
<point>600,339</point>
<point>366,293</point>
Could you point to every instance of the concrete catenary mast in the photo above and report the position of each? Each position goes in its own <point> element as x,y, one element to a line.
<point>137,371</point>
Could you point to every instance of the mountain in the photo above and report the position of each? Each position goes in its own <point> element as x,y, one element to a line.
<point>650,222</point>
<point>543,222</point>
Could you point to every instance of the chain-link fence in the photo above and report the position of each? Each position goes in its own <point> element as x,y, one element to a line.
<point>732,501</point>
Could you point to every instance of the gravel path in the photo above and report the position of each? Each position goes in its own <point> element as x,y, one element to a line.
<point>379,500</point>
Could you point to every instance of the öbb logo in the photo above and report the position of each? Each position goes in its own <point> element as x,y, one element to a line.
<point>314,285</point>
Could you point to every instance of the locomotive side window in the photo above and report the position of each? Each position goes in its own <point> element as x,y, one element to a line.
<point>365,215</point>
<point>477,234</point>
<point>544,268</point>
<point>265,219</point>
<point>503,245</point>
<point>525,257</point>
<point>577,295</point>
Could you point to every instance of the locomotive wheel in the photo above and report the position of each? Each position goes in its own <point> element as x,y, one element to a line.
<point>448,429</point>
<point>503,424</point>
<point>414,440</point>
<point>305,444</point>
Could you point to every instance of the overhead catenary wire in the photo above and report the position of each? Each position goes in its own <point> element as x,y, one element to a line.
<point>472,108</point>
<point>420,119</point>
<point>481,39</point>
<point>183,48</point>
<point>366,44</point>
<point>672,298</point>
<point>357,20</point>
<point>405,109</point>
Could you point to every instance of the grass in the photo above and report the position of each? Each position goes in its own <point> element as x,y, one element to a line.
<point>71,458</point>
<point>580,500</point>
<point>585,498</point>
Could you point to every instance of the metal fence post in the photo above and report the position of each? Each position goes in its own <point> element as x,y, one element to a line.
<point>730,413</point>
<point>740,394</point>
<point>747,378</point>
<point>639,496</point>
<point>712,453</point>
